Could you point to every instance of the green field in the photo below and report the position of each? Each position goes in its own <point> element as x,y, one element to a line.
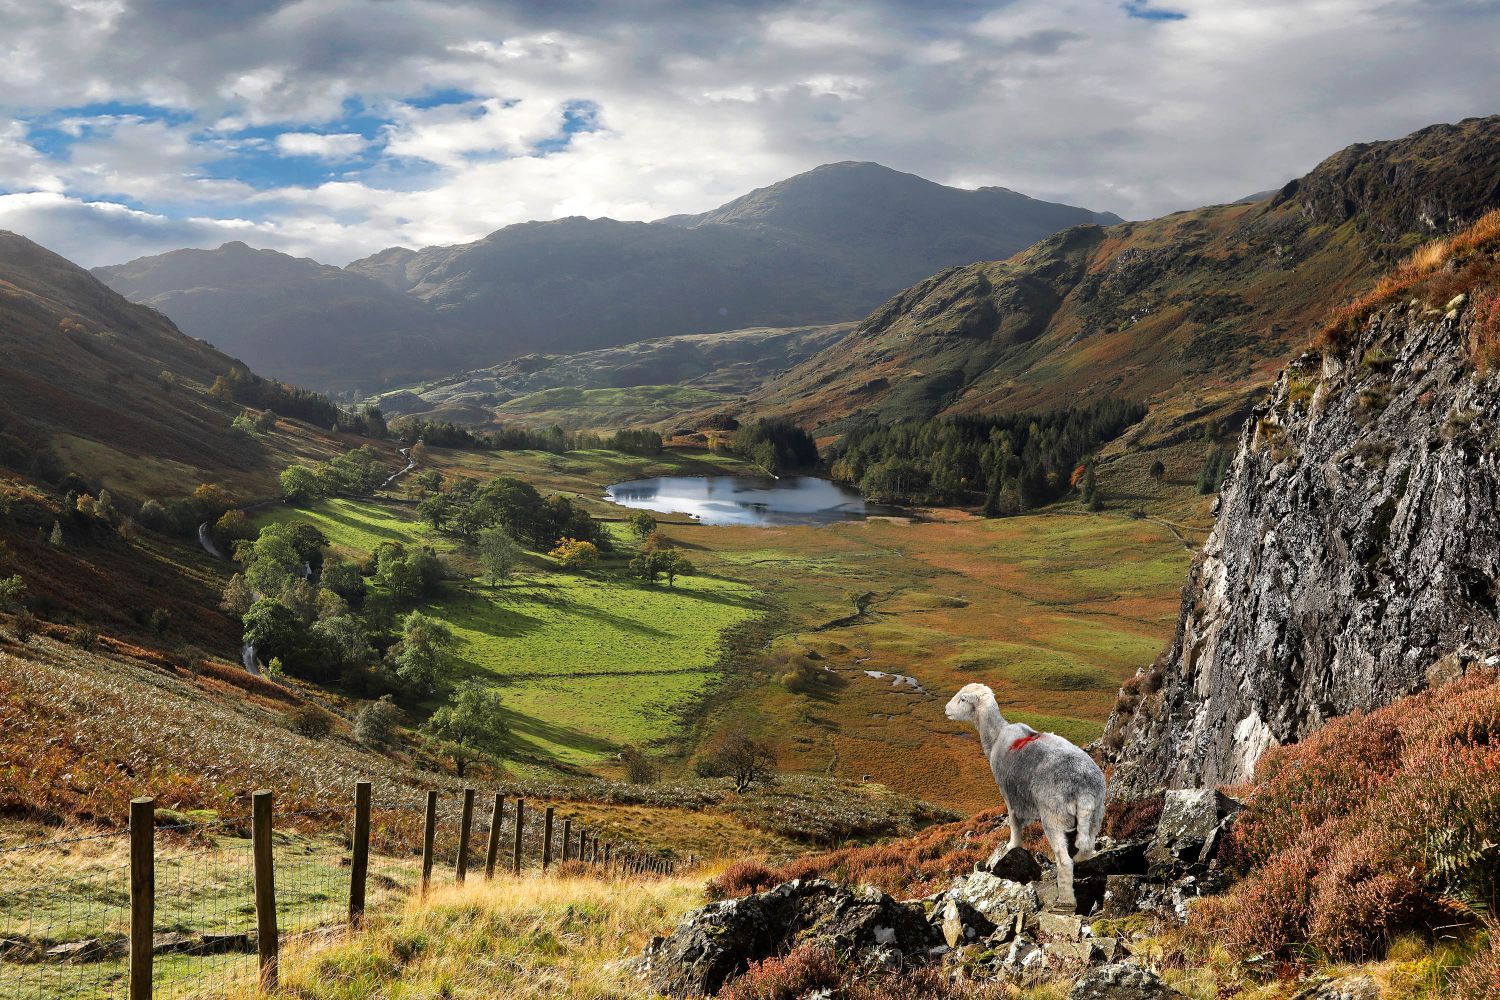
<point>586,662</point>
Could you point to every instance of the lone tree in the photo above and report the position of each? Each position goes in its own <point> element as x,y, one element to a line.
<point>375,725</point>
<point>745,760</point>
<point>642,524</point>
<point>674,564</point>
<point>499,554</point>
<point>473,720</point>
<point>422,653</point>
<point>1158,470</point>
<point>302,484</point>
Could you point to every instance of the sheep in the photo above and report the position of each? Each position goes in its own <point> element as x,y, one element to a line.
<point>1041,777</point>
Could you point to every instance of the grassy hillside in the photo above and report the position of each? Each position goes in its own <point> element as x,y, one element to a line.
<point>641,383</point>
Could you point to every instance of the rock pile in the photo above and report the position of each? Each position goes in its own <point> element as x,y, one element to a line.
<point>998,921</point>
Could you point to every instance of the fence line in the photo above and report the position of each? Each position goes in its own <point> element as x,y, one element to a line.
<point>188,910</point>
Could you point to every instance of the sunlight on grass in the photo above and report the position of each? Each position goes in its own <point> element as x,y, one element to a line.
<point>552,938</point>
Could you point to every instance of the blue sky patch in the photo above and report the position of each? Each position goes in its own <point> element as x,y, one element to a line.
<point>438,98</point>
<point>1143,10</point>
<point>578,117</point>
<point>54,133</point>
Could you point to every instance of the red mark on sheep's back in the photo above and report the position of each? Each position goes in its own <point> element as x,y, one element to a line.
<point>1018,744</point>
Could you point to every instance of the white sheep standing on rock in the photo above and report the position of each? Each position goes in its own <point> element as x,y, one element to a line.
<point>1041,777</point>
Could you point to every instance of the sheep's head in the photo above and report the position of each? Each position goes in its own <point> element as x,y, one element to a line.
<point>964,706</point>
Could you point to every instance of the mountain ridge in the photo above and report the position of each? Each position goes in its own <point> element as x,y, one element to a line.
<point>821,247</point>
<point>1194,312</point>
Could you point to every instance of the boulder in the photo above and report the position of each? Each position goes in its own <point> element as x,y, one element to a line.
<point>1121,981</point>
<point>213,944</point>
<point>1193,821</point>
<point>718,942</point>
<point>1356,987</point>
<point>1128,858</point>
<point>1001,900</point>
<point>173,943</point>
<point>1058,927</point>
<point>1012,864</point>
<point>1123,895</point>
<point>1091,877</point>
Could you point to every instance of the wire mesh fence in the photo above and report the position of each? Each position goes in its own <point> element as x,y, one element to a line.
<point>192,910</point>
<point>64,918</point>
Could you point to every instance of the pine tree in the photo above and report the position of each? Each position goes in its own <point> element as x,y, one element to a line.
<point>1091,489</point>
<point>56,538</point>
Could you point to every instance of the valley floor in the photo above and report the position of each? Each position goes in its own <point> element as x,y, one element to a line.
<point>1052,610</point>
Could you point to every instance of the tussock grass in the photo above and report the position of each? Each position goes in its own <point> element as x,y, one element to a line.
<point>1437,272</point>
<point>530,937</point>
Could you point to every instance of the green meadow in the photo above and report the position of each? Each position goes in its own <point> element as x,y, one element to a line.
<point>586,662</point>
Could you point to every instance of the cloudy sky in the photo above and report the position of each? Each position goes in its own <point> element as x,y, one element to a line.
<point>333,128</point>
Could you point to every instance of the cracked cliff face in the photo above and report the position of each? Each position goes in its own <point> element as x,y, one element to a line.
<point>1357,542</point>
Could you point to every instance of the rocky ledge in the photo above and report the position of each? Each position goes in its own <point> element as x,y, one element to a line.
<point>998,921</point>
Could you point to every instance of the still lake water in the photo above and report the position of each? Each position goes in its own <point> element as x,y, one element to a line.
<point>754,500</point>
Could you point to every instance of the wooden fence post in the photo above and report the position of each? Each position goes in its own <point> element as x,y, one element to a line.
<point>520,829</point>
<point>581,835</point>
<point>465,822</point>
<point>429,835</point>
<point>266,937</point>
<point>567,838</point>
<point>496,818</point>
<point>142,895</point>
<point>547,839</point>
<point>359,864</point>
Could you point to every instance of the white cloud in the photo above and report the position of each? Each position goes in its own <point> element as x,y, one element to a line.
<point>697,103</point>
<point>338,146</point>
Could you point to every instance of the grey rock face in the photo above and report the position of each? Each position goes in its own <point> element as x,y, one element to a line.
<point>1357,544</point>
<point>1121,981</point>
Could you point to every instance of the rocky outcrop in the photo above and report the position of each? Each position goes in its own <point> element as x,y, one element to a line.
<point>1121,981</point>
<point>1357,544</point>
<point>1434,181</point>
<point>984,926</point>
<point>720,941</point>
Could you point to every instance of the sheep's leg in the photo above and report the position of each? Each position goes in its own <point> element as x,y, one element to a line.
<point>1089,817</point>
<point>1057,838</point>
<point>1015,831</point>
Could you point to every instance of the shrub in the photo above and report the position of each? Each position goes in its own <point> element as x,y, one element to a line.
<point>310,721</point>
<point>1362,831</point>
<point>152,516</point>
<point>24,625</point>
<point>790,977</point>
<point>1132,819</point>
<point>85,637</point>
<point>1479,979</point>
<point>740,879</point>
<point>375,725</point>
<point>574,554</point>
<point>640,767</point>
